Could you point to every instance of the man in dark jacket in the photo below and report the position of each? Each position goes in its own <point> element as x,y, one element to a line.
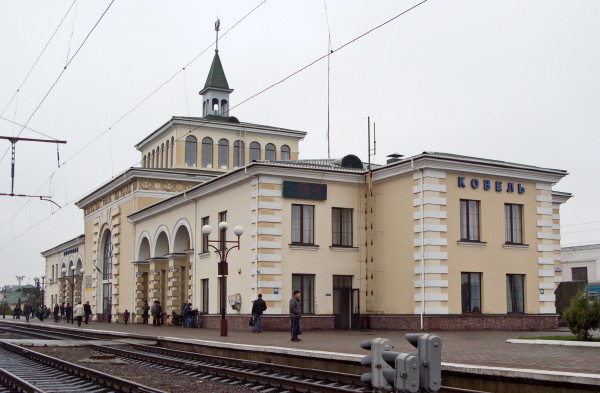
<point>258,308</point>
<point>87,309</point>
<point>295,314</point>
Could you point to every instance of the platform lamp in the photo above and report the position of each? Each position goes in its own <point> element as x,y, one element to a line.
<point>5,292</point>
<point>40,284</point>
<point>72,281</point>
<point>223,251</point>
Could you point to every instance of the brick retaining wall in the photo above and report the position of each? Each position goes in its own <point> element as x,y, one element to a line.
<point>270,322</point>
<point>464,322</point>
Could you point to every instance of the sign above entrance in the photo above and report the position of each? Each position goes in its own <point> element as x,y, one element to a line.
<point>315,191</point>
<point>487,185</point>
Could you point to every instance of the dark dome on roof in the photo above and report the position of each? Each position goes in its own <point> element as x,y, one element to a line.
<point>351,161</point>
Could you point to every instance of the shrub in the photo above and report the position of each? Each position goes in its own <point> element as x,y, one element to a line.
<point>582,315</point>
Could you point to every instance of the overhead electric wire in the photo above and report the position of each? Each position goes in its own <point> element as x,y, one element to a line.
<point>61,74</point>
<point>27,128</point>
<point>241,103</point>
<point>38,58</point>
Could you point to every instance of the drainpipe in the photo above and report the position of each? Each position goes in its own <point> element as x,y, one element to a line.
<point>412,163</point>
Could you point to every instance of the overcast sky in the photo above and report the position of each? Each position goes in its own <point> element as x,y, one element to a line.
<point>511,80</point>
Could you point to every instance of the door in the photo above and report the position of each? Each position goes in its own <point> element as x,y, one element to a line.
<point>355,318</point>
<point>342,301</point>
<point>106,302</point>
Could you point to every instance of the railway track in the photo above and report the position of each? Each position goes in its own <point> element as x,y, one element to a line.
<point>23,370</point>
<point>216,368</point>
<point>36,332</point>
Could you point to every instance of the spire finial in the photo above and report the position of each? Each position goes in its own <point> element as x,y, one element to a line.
<point>217,25</point>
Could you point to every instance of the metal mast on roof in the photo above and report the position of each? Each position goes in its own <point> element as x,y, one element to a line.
<point>217,25</point>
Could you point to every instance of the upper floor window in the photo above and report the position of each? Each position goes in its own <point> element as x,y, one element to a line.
<point>579,274</point>
<point>167,155</point>
<point>107,250</point>
<point>190,151</point>
<point>162,156</point>
<point>513,217</point>
<point>270,151</point>
<point>205,221</point>
<point>515,294</point>
<point>222,232</point>
<point>223,154</point>
<point>470,292</point>
<point>153,157</point>
<point>469,220</point>
<point>254,151</point>
<point>285,152</point>
<point>341,226</point>
<point>172,150</point>
<point>238,154</point>
<point>303,223</point>
<point>144,162</point>
<point>207,153</point>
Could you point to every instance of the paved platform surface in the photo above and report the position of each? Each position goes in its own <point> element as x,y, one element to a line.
<point>485,348</point>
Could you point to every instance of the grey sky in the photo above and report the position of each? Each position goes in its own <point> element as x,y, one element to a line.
<point>510,80</point>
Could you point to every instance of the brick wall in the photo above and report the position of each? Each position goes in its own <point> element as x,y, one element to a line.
<point>269,322</point>
<point>464,322</point>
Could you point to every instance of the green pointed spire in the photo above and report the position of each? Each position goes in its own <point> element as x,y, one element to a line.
<point>216,76</point>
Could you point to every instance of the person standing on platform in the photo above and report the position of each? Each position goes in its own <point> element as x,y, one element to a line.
<point>28,311</point>
<point>153,311</point>
<point>258,307</point>
<point>145,311</point>
<point>159,313</point>
<point>56,312</point>
<point>295,314</point>
<point>62,310</point>
<point>78,312</point>
<point>126,316</point>
<point>68,312</point>
<point>87,309</point>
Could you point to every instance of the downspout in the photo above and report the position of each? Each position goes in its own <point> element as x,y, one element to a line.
<point>412,164</point>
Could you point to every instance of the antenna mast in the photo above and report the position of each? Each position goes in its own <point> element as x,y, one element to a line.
<point>217,26</point>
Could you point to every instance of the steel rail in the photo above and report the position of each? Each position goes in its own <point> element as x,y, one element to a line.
<point>100,378</point>
<point>240,371</point>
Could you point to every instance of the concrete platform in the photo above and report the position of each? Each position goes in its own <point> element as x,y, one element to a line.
<point>484,350</point>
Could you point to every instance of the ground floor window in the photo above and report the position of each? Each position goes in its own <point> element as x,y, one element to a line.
<point>471,292</point>
<point>205,295</point>
<point>515,298</point>
<point>579,273</point>
<point>305,283</point>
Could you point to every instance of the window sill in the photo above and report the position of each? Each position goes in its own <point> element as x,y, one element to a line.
<point>203,255</point>
<point>516,246</point>
<point>310,247</point>
<point>471,244</point>
<point>343,248</point>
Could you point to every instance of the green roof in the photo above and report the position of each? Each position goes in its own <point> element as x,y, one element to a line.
<point>216,75</point>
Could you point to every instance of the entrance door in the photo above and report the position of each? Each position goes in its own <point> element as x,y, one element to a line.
<point>342,301</point>
<point>355,321</point>
<point>107,302</point>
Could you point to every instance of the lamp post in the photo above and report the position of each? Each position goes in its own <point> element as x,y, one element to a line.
<point>5,291</point>
<point>223,251</point>
<point>72,281</point>
<point>40,284</point>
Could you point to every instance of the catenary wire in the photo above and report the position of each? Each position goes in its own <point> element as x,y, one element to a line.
<point>244,101</point>
<point>61,74</point>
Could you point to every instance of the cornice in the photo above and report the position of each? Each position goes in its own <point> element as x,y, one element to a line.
<point>244,174</point>
<point>220,126</point>
<point>64,246</point>
<point>561,197</point>
<point>139,173</point>
<point>473,166</point>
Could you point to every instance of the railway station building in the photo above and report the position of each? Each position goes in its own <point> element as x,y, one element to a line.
<point>433,241</point>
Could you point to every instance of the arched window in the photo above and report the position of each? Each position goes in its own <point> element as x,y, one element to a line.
<point>223,154</point>
<point>215,106</point>
<point>207,153</point>
<point>285,152</point>
<point>238,154</point>
<point>190,151</point>
<point>153,156</point>
<point>254,151</point>
<point>224,108</point>
<point>167,155</point>
<point>144,162</point>
<point>270,151</point>
<point>162,156</point>
<point>107,256</point>
<point>172,150</point>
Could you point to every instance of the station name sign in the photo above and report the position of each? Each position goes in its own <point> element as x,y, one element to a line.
<point>487,185</point>
<point>71,251</point>
<point>314,191</point>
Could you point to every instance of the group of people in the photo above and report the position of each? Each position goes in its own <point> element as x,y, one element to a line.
<point>29,312</point>
<point>259,306</point>
<point>156,311</point>
<point>79,312</point>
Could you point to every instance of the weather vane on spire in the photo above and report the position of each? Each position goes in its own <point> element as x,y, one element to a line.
<point>217,25</point>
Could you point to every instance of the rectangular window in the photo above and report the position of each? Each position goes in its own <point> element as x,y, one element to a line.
<point>471,293</point>
<point>469,220</point>
<point>515,295</point>
<point>305,283</point>
<point>341,227</point>
<point>205,295</point>
<point>205,221</point>
<point>513,216</point>
<point>222,233</point>
<point>303,222</point>
<point>579,274</point>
